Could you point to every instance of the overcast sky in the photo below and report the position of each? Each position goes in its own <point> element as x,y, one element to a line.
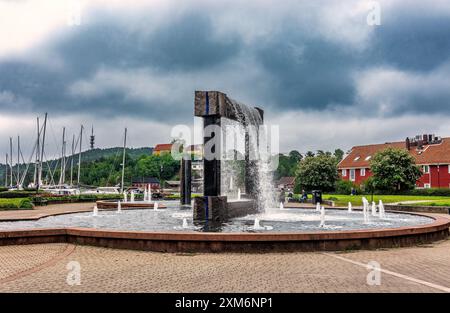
<point>320,72</point>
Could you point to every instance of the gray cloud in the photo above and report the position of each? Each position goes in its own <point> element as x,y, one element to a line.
<point>301,57</point>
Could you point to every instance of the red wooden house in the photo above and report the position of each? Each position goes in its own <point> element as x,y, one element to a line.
<point>431,153</point>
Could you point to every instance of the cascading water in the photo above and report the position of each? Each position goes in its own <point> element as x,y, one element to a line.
<point>248,121</point>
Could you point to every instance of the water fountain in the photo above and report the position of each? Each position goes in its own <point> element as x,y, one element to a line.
<point>241,223</point>
<point>374,208</point>
<point>132,196</point>
<point>322,217</point>
<point>365,210</point>
<point>95,211</point>
<point>381,209</point>
<point>218,110</point>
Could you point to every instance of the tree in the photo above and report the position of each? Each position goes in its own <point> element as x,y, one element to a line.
<point>339,154</point>
<point>309,154</point>
<point>318,172</point>
<point>394,170</point>
<point>287,165</point>
<point>161,166</point>
<point>295,156</point>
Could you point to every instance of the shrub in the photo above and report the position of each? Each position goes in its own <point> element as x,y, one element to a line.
<point>344,187</point>
<point>15,203</point>
<point>444,192</point>
<point>17,194</point>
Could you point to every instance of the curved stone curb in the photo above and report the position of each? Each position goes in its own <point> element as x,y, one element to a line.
<point>237,242</point>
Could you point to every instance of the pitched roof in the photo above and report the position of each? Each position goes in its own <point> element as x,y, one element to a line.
<point>163,147</point>
<point>287,180</point>
<point>145,180</point>
<point>360,156</point>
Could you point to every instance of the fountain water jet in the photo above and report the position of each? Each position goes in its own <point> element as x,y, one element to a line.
<point>374,208</point>
<point>365,210</point>
<point>318,206</point>
<point>349,207</point>
<point>95,211</point>
<point>125,196</point>
<point>119,207</point>
<point>322,217</point>
<point>381,210</point>
<point>155,206</point>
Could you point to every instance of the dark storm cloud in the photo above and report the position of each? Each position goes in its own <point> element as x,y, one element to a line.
<point>302,69</point>
<point>308,73</point>
<point>186,44</point>
<point>412,40</point>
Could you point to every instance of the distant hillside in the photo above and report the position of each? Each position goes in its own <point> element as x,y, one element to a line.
<point>95,154</point>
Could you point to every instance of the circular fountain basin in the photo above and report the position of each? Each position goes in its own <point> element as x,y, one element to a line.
<point>173,230</point>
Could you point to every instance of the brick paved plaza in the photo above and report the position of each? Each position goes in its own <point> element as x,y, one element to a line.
<point>42,268</point>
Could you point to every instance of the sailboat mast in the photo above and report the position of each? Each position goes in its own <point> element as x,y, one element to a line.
<point>79,157</point>
<point>36,166</point>
<point>11,159</point>
<point>18,161</point>
<point>6,171</point>
<point>71,160</point>
<point>41,159</point>
<point>123,160</point>
<point>63,161</point>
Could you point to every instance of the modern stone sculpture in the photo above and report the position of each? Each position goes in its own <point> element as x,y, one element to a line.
<point>212,106</point>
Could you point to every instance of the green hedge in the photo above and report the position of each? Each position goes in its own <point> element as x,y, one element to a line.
<point>17,203</point>
<point>17,194</point>
<point>77,198</point>
<point>439,192</point>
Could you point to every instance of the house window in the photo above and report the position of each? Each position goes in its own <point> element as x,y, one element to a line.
<point>357,158</point>
<point>368,158</point>
<point>352,175</point>
<point>344,172</point>
<point>427,186</point>
<point>363,172</point>
<point>449,168</point>
<point>426,169</point>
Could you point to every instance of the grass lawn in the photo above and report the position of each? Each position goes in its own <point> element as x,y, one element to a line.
<point>15,203</point>
<point>343,200</point>
<point>434,203</point>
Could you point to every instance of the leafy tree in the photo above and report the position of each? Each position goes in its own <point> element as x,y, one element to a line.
<point>318,172</point>
<point>287,165</point>
<point>394,170</point>
<point>295,156</point>
<point>339,154</point>
<point>309,154</point>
